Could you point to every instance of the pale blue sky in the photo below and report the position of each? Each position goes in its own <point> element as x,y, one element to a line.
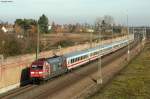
<point>72,11</point>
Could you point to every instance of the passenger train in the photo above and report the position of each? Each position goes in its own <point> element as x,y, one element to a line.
<point>46,68</point>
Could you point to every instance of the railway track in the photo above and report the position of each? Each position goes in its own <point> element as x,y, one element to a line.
<point>17,91</point>
<point>60,83</point>
<point>90,69</point>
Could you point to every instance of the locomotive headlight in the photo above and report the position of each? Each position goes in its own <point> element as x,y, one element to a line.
<point>32,72</point>
<point>40,72</point>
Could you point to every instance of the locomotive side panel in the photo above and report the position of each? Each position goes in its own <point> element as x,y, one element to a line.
<point>57,66</point>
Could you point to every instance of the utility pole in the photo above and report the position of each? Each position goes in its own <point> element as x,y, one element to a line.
<point>112,34</point>
<point>128,38</point>
<point>91,38</point>
<point>1,59</point>
<point>99,79</point>
<point>133,32</point>
<point>38,42</point>
<point>144,36</point>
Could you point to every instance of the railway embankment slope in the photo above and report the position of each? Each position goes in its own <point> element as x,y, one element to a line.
<point>131,83</point>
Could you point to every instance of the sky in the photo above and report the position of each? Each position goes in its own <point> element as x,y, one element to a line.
<point>73,11</point>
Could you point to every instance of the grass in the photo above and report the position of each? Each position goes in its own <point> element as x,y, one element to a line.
<point>131,83</point>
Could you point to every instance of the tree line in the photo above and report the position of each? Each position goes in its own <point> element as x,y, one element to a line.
<point>26,32</point>
<point>30,25</point>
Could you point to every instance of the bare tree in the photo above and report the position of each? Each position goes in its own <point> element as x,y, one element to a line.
<point>98,23</point>
<point>109,20</point>
<point>103,23</point>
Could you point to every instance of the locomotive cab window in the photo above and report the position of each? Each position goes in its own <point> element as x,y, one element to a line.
<point>36,67</point>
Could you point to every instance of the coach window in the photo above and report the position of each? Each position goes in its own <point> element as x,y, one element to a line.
<point>83,57</point>
<point>76,59</point>
<point>96,53</point>
<point>72,60</point>
<point>69,62</point>
<point>86,56</point>
<point>91,54</point>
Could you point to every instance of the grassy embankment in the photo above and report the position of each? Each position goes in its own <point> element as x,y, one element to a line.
<point>131,83</point>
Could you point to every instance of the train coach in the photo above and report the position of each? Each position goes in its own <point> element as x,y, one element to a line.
<point>46,68</point>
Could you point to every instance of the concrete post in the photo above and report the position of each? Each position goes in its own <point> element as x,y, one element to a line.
<point>1,59</point>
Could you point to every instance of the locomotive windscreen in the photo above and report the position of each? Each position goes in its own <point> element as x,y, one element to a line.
<point>36,67</point>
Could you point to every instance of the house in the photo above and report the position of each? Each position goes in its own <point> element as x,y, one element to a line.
<point>4,29</point>
<point>7,28</point>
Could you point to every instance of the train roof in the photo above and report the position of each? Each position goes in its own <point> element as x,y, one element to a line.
<point>54,59</point>
<point>84,52</point>
<point>40,62</point>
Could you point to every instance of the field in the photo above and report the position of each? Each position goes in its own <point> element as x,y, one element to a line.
<point>70,39</point>
<point>131,83</point>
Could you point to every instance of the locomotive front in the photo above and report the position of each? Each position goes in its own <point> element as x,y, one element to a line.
<point>37,71</point>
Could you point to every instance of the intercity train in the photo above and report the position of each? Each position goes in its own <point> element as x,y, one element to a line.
<point>47,68</point>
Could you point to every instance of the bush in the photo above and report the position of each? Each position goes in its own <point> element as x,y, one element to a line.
<point>12,47</point>
<point>9,46</point>
<point>64,43</point>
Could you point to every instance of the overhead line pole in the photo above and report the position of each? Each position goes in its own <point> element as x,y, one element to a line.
<point>112,35</point>
<point>100,79</point>
<point>91,39</point>
<point>128,38</point>
<point>38,42</point>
